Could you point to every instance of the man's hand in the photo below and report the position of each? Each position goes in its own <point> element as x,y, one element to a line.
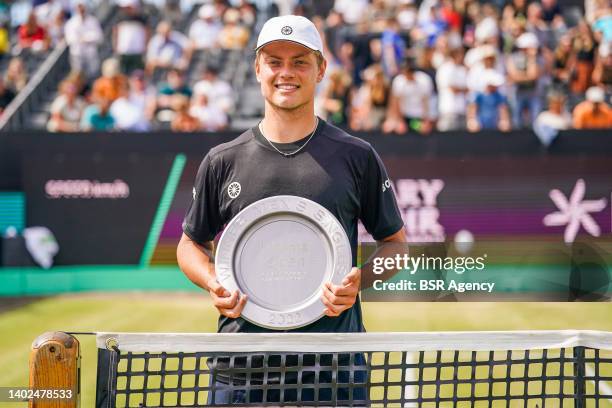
<point>338,298</point>
<point>228,304</point>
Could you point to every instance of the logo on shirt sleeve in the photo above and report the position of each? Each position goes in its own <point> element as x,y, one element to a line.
<point>386,185</point>
<point>233,190</point>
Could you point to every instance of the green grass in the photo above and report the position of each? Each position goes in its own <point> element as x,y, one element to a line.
<point>189,312</point>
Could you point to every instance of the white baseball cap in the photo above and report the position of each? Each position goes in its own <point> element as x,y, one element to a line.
<point>297,29</point>
<point>595,94</point>
<point>527,40</point>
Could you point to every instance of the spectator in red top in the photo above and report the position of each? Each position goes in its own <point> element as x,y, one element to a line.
<point>450,15</point>
<point>32,36</point>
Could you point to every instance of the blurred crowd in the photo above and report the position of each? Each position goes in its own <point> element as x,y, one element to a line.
<point>403,67</point>
<point>144,85</point>
<point>393,65</point>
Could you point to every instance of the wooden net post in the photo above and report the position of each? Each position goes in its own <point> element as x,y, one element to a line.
<point>55,364</point>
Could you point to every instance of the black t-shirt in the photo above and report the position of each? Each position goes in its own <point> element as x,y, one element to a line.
<point>341,172</point>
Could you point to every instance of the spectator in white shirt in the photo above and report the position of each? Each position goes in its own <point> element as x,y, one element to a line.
<point>218,91</point>
<point>204,32</point>
<point>451,80</point>
<point>556,116</point>
<point>488,60</point>
<point>130,36</point>
<point>210,116</point>
<point>352,11</point>
<point>83,35</point>
<point>46,12</point>
<point>167,49</point>
<point>132,111</point>
<point>409,104</point>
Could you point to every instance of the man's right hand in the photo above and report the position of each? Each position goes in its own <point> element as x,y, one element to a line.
<point>228,304</point>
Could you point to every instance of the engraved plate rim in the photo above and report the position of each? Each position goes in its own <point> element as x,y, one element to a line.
<point>339,246</point>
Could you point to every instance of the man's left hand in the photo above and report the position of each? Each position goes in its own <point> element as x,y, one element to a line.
<point>338,298</point>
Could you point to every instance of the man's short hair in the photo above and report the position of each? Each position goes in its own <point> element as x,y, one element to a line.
<point>318,54</point>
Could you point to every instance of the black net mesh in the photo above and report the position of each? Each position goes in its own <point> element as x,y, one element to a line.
<point>568,377</point>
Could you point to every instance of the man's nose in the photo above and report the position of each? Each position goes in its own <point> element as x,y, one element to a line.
<point>287,70</point>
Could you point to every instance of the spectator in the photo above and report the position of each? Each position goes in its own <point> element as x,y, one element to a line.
<point>352,11</point>
<point>336,98</point>
<point>556,117</point>
<point>551,14</point>
<point>594,112</point>
<point>451,80</point>
<point>409,104</point>
<point>584,46</point>
<point>97,117</point>
<point>488,61</point>
<point>602,74</point>
<point>183,121</point>
<point>489,109</point>
<point>5,40</point>
<point>171,10</point>
<point>131,111</point>
<point>204,32</point>
<point>56,28</point>
<point>33,36</point>
<point>168,91</point>
<point>370,101</point>
<point>210,116</point>
<point>537,26</point>
<point>356,54</point>
<point>16,76</point>
<point>167,49</point>
<point>602,27</point>
<point>46,12</point>
<point>175,85</point>
<point>83,35</point>
<point>218,91</point>
<point>378,15</point>
<point>6,96</point>
<point>233,36</point>
<point>66,109</point>
<point>111,83</point>
<point>406,15</point>
<point>393,48</point>
<point>525,72</point>
<point>564,61</point>
<point>247,13</point>
<point>130,36</point>
<point>83,87</point>
<point>514,12</point>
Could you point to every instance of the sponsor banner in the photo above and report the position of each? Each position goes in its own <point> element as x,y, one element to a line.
<point>99,207</point>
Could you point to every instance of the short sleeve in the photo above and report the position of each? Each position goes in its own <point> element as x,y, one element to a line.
<point>203,219</point>
<point>397,85</point>
<point>379,212</point>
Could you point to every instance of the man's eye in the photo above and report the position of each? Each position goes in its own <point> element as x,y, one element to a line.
<point>300,62</point>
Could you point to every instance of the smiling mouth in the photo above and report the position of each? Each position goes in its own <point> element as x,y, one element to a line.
<point>286,87</point>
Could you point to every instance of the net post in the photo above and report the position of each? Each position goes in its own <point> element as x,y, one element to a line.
<point>55,364</point>
<point>580,381</point>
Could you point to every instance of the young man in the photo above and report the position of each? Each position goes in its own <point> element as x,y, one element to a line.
<point>291,152</point>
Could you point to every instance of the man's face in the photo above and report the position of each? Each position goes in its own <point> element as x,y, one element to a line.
<point>288,74</point>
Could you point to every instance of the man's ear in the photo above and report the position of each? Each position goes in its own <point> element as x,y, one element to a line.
<point>322,69</point>
<point>256,68</point>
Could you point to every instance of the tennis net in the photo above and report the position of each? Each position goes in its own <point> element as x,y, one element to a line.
<point>444,369</point>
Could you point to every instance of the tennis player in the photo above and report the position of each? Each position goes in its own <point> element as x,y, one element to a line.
<point>290,152</point>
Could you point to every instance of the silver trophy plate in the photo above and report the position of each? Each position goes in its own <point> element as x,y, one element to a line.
<point>279,251</point>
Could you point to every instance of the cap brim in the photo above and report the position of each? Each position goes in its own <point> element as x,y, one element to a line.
<point>302,43</point>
